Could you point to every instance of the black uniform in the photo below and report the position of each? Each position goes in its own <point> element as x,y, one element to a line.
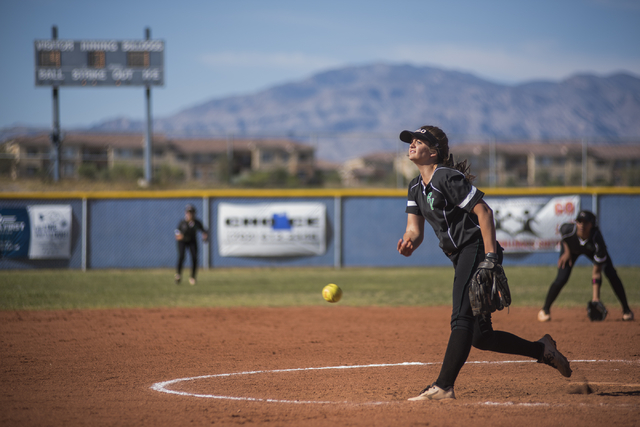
<point>189,230</point>
<point>447,204</point>
<point>593,248</point>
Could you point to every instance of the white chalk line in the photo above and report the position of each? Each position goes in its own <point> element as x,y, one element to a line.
<point>163,386</point>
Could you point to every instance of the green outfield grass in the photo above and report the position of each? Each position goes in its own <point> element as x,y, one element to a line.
<point>282,287</point>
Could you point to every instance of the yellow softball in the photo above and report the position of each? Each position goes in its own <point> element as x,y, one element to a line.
<point>332,292</point>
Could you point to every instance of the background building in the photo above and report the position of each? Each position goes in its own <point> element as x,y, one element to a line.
<point>86,154</point>
<point>256,161</point>
<point>560,163</point>
<point>518,164</point>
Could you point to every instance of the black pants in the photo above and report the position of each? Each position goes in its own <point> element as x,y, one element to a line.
<point>193,249</point>
<point>563,277</point>
<point>468,330</point>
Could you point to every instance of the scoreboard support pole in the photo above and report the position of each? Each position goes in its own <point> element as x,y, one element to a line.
<point>148,169</point>
<point>148,174</point>
<point>55,132</point>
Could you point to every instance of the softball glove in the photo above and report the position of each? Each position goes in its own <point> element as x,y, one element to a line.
<point>489,289</point>
<point>596,311</point>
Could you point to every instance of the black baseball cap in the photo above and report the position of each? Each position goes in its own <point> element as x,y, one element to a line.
<point>586,216</point>
<point>422,134</point>
<point>190,208</point>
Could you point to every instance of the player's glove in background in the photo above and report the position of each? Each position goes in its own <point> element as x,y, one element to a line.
<point>596,311</point>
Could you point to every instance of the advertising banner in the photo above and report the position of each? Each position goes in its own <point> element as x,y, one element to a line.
<point>50,231</point>
<point>36,232</point>
<point>532,224</point>
<point>14,233</point>
<point>271,229</point>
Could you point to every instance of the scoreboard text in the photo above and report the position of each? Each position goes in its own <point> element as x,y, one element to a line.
<point>99,63</point>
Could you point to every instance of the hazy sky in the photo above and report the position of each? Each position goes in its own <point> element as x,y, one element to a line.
<point>217,48</point>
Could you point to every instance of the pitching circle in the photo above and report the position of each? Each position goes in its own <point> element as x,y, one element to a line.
<point>165,386</point>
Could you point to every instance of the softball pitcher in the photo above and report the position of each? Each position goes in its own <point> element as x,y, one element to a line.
<point>443,196</point>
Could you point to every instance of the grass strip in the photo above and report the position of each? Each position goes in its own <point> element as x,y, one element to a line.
<point>283,287</point>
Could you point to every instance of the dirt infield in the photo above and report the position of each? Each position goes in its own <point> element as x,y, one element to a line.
<point>106,367</point>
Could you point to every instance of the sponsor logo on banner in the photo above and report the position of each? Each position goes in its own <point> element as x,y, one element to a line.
<point>532,224</point>
<point>50,231</point>
<point>14,233</point>
<point>271,229</point>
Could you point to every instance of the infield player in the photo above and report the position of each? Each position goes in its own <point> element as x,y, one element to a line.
<point>186,235</point>
<point>443,196</point>
<point>583,237</point>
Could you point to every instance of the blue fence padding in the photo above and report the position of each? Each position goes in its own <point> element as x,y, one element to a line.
<point>372,227</point>
<point>139,233</point>
<point>618,220</point>
<point>135,233</point>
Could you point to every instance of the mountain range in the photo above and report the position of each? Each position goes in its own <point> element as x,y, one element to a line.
<point>375,102</point>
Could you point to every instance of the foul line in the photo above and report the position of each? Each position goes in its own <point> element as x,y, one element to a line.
<point>163,386</point>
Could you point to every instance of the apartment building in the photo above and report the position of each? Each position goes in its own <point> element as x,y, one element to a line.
<point>522,164</point>
<point>373,169</point>
<point>552,163</point>
<point>197,159</point>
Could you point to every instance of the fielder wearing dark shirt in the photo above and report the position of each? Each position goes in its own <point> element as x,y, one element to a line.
<point>190,229</point>
<point>593,248</point>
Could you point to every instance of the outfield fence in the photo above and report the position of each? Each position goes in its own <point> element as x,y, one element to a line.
<point>125,230</point>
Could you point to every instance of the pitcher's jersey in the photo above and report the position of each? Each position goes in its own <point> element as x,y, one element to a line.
<point>447,203</point>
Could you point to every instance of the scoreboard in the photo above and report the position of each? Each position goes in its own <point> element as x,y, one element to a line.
<point>99,62</point>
